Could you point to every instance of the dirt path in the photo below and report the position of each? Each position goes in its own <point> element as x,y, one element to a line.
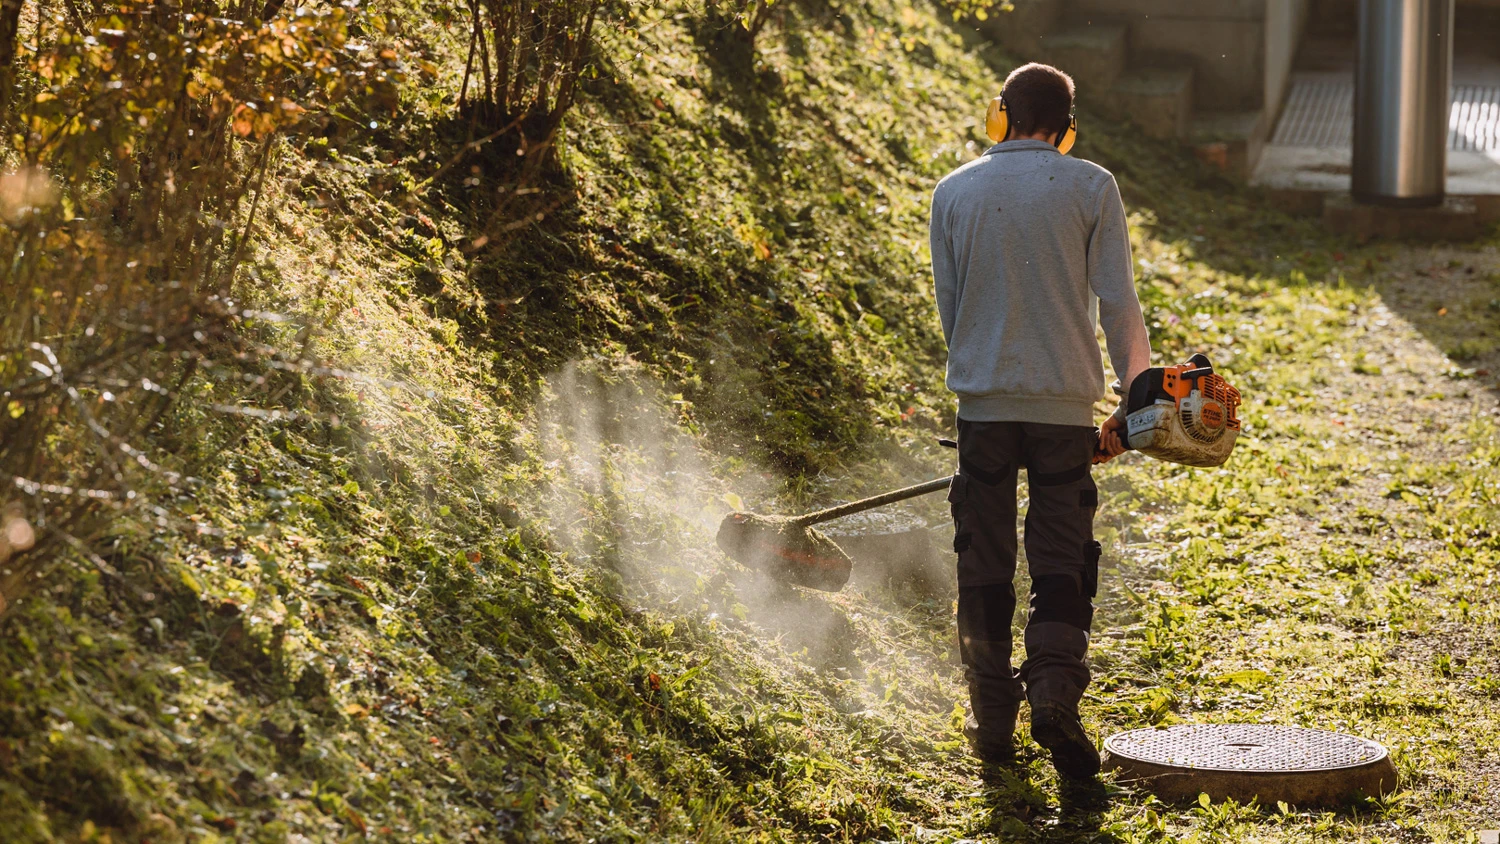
<point>1350,554</point>
<point>1432,419</point>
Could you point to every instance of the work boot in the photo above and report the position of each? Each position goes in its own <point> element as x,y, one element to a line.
<point>1057,727</point>
<point>995,743</point>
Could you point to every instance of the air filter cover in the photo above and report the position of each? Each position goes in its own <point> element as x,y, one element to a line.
<point>1296,765</point>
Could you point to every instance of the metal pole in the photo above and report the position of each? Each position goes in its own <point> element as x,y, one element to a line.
<point>1401,101</point>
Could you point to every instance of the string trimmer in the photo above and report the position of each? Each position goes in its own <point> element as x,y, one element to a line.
<point>790,550</point>
<point>1179,414</point>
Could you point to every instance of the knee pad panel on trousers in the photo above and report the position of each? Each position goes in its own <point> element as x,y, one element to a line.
<point>1057,598</point>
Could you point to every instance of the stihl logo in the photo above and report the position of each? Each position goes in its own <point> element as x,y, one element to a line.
<point>1212,415</point>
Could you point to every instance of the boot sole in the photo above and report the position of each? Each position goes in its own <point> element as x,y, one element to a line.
<point>1069,756</point>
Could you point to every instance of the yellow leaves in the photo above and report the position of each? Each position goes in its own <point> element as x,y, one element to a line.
<point>191,582</point>
<point>356,710</point>
<point>249,119</point>
<point>242,63</point>
<point>272,48</point>
<point>243,121</point>
<point>757,238</point>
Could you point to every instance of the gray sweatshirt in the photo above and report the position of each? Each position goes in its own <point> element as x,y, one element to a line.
<point>1023,241</point>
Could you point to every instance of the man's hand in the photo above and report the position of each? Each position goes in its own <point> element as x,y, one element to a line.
<point>1111,440</point>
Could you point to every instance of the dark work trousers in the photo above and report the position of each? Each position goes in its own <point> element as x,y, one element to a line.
<point>1061,554</point>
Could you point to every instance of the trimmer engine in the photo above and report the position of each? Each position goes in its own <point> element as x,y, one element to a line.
<point>1183,414</point>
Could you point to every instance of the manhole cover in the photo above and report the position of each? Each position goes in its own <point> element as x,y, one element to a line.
<point>1272,762</point>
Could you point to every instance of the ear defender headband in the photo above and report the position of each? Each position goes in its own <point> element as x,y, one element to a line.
<point>997,126</point>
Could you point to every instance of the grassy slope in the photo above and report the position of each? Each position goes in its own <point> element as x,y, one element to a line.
<point>487,601</point>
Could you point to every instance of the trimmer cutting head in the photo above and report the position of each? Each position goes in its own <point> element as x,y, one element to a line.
<point>786,549</point>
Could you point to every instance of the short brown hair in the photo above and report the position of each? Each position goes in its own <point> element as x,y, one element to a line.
<point>1038,97</point>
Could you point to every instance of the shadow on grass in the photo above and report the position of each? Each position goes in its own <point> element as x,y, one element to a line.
<point>1019,806</point>
<point>1080,816</point>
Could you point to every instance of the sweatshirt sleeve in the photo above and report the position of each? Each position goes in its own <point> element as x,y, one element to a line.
<point>944,270</point>
<point>1112,278</point>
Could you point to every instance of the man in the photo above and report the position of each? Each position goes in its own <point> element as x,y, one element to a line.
<point>1025,241</point>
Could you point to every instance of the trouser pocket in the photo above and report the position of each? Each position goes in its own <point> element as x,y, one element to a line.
<point>983,501</point>
<point>1092,552</point>
<point>958,494</point>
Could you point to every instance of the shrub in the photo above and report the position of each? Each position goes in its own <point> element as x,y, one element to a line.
<point>528,58</point>
<point>141,145</point>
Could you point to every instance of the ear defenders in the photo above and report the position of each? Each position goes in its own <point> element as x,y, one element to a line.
<point>997,126</point>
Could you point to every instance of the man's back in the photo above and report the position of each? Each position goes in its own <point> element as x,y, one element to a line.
<point>1023,238</point>
<point>1022,241</point>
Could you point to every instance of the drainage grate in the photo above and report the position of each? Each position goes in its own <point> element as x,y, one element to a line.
<point>1320,113</point>
<point>1245,747</point>
<point>1474,123</point>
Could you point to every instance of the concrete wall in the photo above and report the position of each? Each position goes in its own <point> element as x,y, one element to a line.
<point>1223,40</point>
<point>1285,22</point>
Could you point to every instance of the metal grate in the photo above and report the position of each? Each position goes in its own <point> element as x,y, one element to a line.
<point>1474,122</point>
<point>1320,113</point>
<point>1245,747</point>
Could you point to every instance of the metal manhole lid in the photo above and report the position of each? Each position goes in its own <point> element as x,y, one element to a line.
<point>1245,748</point>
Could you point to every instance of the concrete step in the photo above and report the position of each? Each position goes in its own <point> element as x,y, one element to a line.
<point>1456,219</point>
<point>1021,29</point>
<point>1224,41</point>
<point>1092,53</point>
<point>1230,140</point>
<point>1157,99</point>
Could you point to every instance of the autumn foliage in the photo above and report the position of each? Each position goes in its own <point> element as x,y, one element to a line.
<point>139,146</point>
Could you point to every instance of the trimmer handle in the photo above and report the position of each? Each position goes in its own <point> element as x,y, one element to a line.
<point>874,501</point>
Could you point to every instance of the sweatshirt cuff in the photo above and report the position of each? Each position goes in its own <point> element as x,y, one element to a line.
<point>1119,390</point>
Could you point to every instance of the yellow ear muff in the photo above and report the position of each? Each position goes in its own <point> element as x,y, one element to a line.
<point>997,126</point>
<point>997,120</point>
<point>1069,136</point>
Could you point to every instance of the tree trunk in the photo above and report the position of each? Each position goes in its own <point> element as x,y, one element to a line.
<point>10,35</point>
